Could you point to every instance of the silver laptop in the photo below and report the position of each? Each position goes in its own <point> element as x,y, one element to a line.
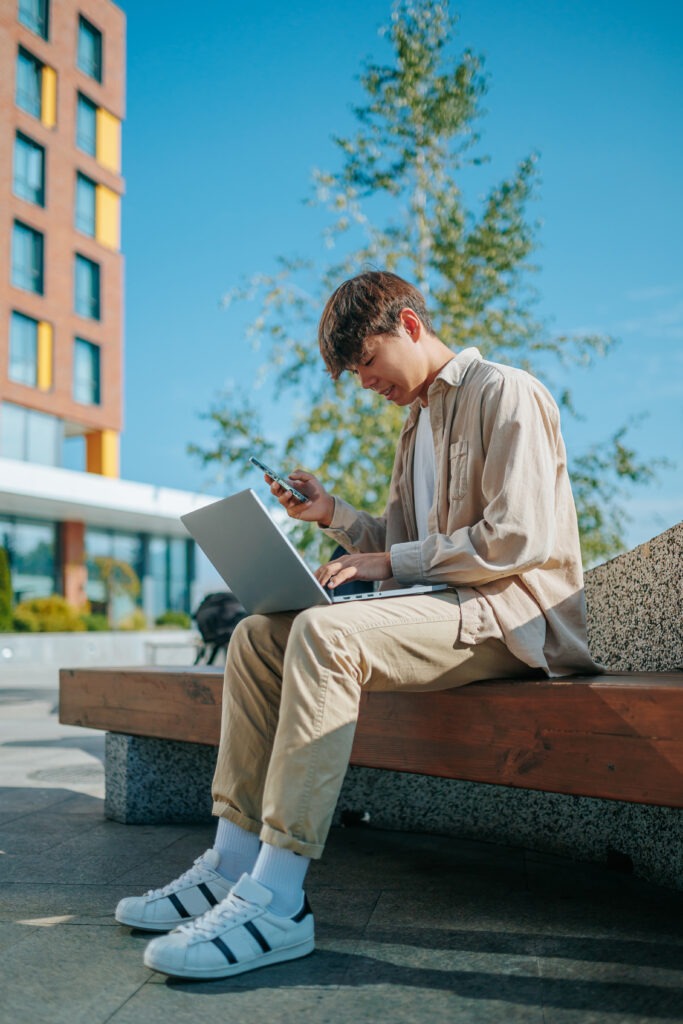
<point>259,564</point>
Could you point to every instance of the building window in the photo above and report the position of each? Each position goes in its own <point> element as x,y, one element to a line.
<point>115,564</point>
<point>89,49</point>
<point>179,575</point>
<point>32,550</point>
<point>86,372</point>
<point>29,170</point>
<point>34,14</point>
<point>86,191</point>
<point>23,350</point>
<point>27,258</point>
<point>29,82</point>
<point>169,575</point>
<point>87,288</point>
<point>29,435</point>
<point>86,125</point>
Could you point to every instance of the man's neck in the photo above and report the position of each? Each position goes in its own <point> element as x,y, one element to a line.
<point>439,356</point>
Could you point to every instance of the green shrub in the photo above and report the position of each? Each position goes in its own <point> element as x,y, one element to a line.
<point>5,593</point>
<point>172,617</point>
<point>135,620</point>
<point>25,622</point>
<point>52,614</point>
<point>95,623</point>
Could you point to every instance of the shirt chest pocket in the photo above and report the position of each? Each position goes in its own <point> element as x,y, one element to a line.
<point>457,455</point>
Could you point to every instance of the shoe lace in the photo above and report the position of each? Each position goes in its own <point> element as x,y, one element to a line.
<point>195,874</point>
<point>231,910</point>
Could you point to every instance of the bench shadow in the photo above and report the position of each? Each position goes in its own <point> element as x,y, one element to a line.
<point>29,695</point>
<point>93,745</point>
<point>627,952</point>
<point>346,971</point>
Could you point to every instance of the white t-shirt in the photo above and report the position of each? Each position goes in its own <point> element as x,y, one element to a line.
<point>424,472</point>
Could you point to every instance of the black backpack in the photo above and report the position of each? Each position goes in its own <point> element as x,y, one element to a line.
<point>216,618</point>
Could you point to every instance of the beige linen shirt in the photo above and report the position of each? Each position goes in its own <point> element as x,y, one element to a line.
<point>502,527</point>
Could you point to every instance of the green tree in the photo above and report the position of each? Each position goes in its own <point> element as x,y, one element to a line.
<point>120,580</point>
<point>5,592</point>
<point>396,202</point>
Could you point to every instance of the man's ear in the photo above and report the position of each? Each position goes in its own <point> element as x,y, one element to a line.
<point>411,323</point>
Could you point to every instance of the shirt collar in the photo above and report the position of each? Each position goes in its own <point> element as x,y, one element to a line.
<point>452,375</point>
<point>455,369</point>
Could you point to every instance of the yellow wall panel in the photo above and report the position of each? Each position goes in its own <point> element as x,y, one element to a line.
<point>108,147</point>
<point>45,356</point>
<point>107,217</point>
<point>102,453</point>
<point>48,98</point>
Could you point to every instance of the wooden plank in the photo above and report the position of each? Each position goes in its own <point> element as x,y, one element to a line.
<point>605,737</point>
<point>618,736</point>
<point>173,703</point>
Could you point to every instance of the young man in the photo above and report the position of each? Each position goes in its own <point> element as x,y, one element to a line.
<point>479,499</point>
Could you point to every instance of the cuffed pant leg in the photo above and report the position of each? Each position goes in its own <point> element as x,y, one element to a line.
<point>332,653</point>
<point>251,706</point>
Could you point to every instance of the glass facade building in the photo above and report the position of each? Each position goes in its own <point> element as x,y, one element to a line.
<point>69,525</point>
<point>33,557</point>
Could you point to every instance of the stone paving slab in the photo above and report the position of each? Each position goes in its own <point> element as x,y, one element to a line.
<point>409,927</point>
<point>77,904</point>
<point>78,974</point>
<point>36,750</point>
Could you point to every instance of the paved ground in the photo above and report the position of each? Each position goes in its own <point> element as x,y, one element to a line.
<point>410,927</point>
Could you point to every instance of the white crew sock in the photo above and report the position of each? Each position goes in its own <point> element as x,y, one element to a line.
<point>283,872</point>
<point>238,849</point>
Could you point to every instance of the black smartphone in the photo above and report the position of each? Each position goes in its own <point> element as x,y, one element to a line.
<point>278,478</point>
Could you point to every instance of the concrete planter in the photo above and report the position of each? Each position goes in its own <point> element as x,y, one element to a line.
<point>73,650</point>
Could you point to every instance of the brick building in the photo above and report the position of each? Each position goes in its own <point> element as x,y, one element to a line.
<point>62,105</point>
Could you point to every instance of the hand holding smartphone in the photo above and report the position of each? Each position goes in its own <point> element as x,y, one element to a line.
<point>279,479</point>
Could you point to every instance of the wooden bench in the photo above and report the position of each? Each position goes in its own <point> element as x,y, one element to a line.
<point>614,736</point>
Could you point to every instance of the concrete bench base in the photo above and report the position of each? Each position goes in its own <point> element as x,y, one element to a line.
<point>154,781</point>
<point>157,782</point>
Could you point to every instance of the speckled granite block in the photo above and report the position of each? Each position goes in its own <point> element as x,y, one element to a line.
<point>635,604</point>
<point>154,782</point>
<point>651,838</point>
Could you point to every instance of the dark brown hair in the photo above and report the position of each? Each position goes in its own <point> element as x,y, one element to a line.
<point>369,303</point>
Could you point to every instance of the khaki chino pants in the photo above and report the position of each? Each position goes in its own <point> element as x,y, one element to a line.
<point>292,689</point>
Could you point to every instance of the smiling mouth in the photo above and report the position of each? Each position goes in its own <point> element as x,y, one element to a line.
<point>387,392</point>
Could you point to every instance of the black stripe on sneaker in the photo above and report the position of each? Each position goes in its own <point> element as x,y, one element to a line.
<point>225,950</point>
<point>207,894</point>
<point>178,905</point>
<point>253,930</point>
<point>304,912</point>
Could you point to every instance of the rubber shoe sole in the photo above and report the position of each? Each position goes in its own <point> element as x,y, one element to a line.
<point>145,926</point>
<point>157,963</point>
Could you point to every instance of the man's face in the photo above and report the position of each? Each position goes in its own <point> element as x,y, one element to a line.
<point>394,366</point>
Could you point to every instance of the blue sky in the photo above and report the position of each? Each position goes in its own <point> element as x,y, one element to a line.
<point>228,113</point>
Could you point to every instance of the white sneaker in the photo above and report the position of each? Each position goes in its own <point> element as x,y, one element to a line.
<point>238,935</point>
<point>189,896</point>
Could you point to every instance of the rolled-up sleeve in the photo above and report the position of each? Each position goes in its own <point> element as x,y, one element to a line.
<point>520,432</point>
<point>356,530</point>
